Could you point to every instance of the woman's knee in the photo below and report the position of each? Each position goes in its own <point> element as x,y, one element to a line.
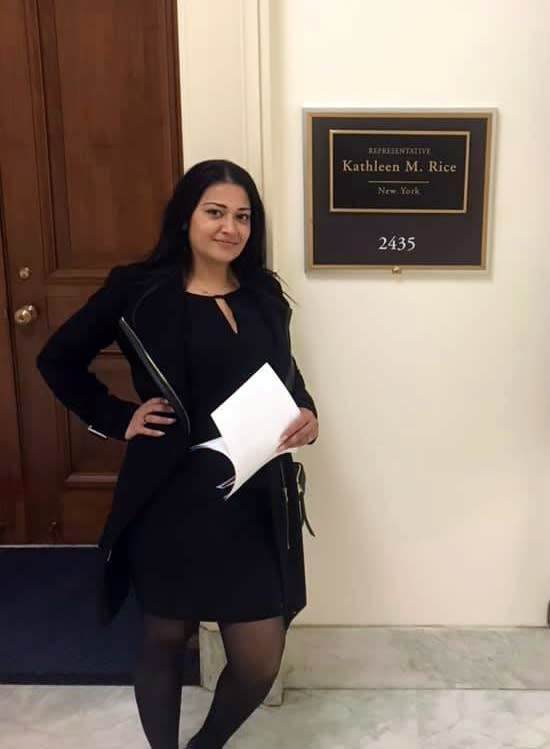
<point>260,672</point>
<point>167,634</point>
<point>254,650</point>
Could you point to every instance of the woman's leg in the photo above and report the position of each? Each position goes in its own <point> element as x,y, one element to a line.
<point>158,678</point>
<point>254,651</point>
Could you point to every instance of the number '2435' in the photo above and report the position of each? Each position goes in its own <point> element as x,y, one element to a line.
<point>399,244</point>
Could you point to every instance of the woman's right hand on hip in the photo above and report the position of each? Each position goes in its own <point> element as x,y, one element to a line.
<point>146,415</point>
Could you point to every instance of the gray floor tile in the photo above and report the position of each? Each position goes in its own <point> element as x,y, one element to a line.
<point>334,719</point>
<point>44,717</point>
<point>484,719</point>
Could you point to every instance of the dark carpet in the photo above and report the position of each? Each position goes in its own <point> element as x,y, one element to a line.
<point>49,633</point>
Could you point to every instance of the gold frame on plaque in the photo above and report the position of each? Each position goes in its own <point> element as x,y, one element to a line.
<point>483,175</point>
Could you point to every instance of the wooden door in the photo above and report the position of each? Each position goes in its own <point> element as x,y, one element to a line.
<point>90,151</point>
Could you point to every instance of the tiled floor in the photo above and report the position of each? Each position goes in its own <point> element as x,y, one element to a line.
<point>41,717</point>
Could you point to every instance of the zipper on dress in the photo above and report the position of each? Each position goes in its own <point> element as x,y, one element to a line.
<point>300,488</point>
<point>285,495</point>
<point>149,364</point>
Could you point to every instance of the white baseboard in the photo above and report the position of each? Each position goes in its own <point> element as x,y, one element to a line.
<point>417,658</point>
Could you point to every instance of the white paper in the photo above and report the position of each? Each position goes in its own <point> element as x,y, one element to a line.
<point>251,422</point>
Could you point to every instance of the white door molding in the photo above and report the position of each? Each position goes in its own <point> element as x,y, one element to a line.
<point>224,74</point>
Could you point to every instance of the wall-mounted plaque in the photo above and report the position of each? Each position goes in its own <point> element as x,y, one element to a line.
<point>406,188</point>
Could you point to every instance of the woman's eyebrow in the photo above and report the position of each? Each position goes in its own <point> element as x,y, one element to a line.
<point>222,205</point>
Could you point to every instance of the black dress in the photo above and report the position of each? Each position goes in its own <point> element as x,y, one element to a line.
<point>190,546</point>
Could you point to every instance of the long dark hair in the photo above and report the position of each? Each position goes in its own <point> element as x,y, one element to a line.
<point>173,248</point>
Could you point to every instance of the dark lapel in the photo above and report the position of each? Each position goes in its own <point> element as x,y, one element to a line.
<point>158,319</point>
<point>277,315</point>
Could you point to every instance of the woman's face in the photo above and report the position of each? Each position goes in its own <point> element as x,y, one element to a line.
<point>220,224</point>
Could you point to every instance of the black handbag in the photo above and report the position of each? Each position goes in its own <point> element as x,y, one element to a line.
<point>300,478</point>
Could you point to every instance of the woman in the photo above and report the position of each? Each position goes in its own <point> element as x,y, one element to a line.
<point>194,320</point>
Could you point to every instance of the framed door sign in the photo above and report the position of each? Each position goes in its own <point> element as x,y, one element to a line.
<point>397,188</point>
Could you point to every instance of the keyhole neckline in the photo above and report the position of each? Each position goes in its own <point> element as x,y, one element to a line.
<point>213,296</point>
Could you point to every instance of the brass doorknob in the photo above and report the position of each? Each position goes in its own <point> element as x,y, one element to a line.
<point>25,314</point>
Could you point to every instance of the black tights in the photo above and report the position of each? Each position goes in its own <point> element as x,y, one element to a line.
<point>253,651</point>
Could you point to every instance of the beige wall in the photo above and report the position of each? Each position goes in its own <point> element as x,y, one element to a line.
<point>429,486</point>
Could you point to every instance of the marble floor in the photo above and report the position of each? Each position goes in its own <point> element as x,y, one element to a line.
<point>75,717</point>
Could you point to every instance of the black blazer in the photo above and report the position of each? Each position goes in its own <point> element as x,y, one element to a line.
<point>142,311</point>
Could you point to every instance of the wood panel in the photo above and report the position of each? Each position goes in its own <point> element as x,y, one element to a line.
<point>112,148</point>
<point>11,469</point>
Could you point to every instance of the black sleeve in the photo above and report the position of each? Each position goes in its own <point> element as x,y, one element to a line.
<point>299,392</point>
<point>64,360</point>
